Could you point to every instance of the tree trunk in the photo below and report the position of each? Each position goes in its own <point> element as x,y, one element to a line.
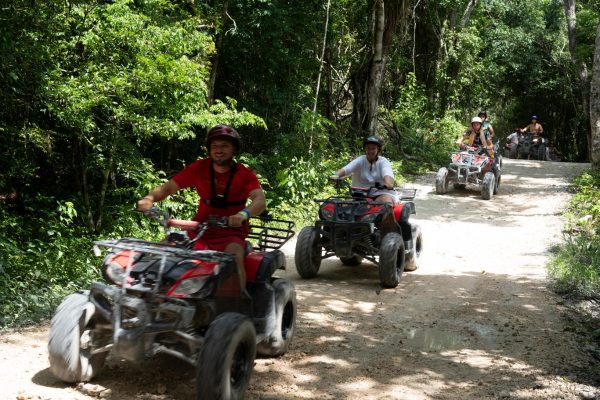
<point>584,80</point>
<point>571,23</point>
<point>377,67</point>
<point>595,106</point>
<point>467,14</point>
<point>368,78</point>
<point>108,166</point>
<point>215,58</point>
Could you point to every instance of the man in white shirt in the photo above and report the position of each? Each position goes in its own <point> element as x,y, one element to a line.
<point>370,169</point>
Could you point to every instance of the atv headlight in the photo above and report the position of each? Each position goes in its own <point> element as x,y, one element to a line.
<point>188,286</point>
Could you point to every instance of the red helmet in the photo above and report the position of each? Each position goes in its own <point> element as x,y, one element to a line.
<point>223,132</point>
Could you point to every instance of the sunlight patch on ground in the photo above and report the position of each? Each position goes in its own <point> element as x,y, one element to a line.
<point>531,307</point>
<point>317,317</point>
<point>326,360</point>
<point>338,305</point>
<point>334,339</point>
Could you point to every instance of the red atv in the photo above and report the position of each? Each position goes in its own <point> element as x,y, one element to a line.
<point>349,228</point>
<point>165,297</point>
<point>472,166</point>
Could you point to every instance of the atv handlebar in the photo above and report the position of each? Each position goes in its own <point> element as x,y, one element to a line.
<point>266,233</point>
<point>342,182</point>
<point>162,217</point>
<point>183,224</point>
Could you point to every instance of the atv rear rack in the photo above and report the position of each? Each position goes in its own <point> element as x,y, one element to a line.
<point>270,233</point>
<point>406,194</point>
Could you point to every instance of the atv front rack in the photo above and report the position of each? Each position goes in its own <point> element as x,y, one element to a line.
<point>163,249</point>
<point>270,233</point>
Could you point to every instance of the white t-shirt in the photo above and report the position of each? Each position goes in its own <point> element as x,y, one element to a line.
<point>365,174</point>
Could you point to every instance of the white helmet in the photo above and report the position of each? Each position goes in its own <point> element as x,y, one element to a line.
<point>476,119</point>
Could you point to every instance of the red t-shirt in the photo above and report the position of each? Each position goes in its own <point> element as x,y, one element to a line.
<point>197,174</point>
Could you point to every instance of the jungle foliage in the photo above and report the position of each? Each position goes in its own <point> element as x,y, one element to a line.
<point>576,266</point>
<point>104,99</point>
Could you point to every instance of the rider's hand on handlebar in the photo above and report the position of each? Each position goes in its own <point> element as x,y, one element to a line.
<point>237,220</point>
<point>334,177</point>
<point>144,204</point>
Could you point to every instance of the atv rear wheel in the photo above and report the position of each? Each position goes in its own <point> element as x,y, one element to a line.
<point>285,320</point>
<point>227,358</point>
<point>71,340</point>
<point>487,188</point>
<point>413,259</point>
<point>308,252</point>
<point>351,261</point>
<point>441,181</point>
<point>391,260</point>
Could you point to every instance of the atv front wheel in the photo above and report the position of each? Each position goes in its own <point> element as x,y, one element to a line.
<point>513,153</point>
<point>413,259</point>
<point>72,338</point>
<point>391,260</point>
<point>441,181</point>
<point>285,320</point>
<point>227,358</point>
<point>351,261</point>
<point>487,188</point>
<point>308,252</point>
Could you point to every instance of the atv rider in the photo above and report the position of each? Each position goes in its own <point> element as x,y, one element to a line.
<point>486,124</point>
<point>534,127</point>
<point>477,136</point>
<point>512,140</point>
<point>224,187</point>
<point>372,169</point>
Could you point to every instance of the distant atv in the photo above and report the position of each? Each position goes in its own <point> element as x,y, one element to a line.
<point>531,146</point>
<point>511,146</point>
<point>470,166</point>
<point>166,297</point>
<point>349,228</point>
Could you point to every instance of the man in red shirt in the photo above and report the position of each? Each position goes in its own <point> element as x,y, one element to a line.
<point>224,187</point>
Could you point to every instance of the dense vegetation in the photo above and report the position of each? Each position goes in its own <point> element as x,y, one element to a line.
<point>103,99</point>
<point>576,267</point>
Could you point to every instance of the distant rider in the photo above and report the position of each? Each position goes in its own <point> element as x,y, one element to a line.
<point>534,127</point>
<point>513,139</point>
<point>486,124</point>
<point>224,187</point>
<point>372,168</point>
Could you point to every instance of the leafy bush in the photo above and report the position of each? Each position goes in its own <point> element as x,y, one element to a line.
<point>576,267</point>
<point>38,270</point>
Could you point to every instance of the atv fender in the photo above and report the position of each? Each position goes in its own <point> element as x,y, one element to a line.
<point>260,266</point>
<point>403,211</point>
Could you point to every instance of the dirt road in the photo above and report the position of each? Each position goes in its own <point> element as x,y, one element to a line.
<point>476,321</point>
